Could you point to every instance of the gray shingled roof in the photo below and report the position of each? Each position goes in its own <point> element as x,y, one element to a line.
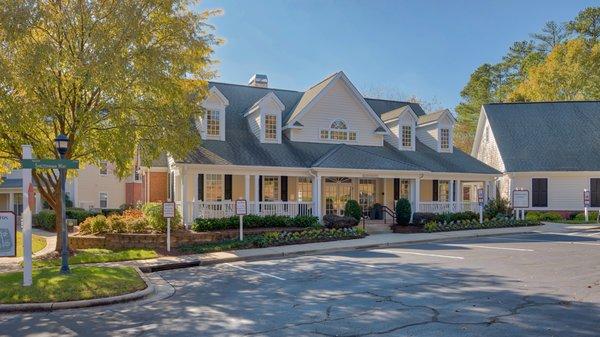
<point>547,136</point>
<point>243,148</point>
<point>307,97</point>
<point>431,117</point>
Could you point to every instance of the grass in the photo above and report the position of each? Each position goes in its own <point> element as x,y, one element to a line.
<point>84,282</point>
<point>96,255</point>
<point>38,243</point>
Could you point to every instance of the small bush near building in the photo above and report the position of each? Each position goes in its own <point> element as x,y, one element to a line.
<point>94,226</point>
<point>153,213</point>
<point>45,219</point>
<point>592,216</point>
<point>497,207</point>
<point>543,216</point>
<point>339,221</point>
<point>275,239</point>
<point>254,221</point>
<point>78,214</point>
<point>421,218</point>
<point>353,209</point>
<point>433,226</point>
<point>403,212</point>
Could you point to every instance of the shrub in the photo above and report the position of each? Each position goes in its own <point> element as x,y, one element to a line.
<point>254,221</point>
<point>551,216</point>
<point>533,215</point>
<point>352,209</point>
<point>338,221</point>
<point>133,213</point>
<point>421,218</point>
<point>305,221</point>
<point>156,222</point>
<point>136,225</point>
<point>403,212</point>
<point>94,226</point>
<point>78,214</point>
<point>495,207</point>
<point>433,226</point>
<point>116,223</point>
<point>111,211</point>
<point>459,216</point>
<point>45,219</point>
<point>592,216</point>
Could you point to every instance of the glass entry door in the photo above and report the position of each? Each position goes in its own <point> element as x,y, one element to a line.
<point>338,190</point>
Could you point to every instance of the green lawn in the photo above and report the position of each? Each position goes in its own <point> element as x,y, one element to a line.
<point>84,282</point>
<point>96,255</point>
<point>38,243</point>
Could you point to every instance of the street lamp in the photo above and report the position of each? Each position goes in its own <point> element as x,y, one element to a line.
<point>62,144</point>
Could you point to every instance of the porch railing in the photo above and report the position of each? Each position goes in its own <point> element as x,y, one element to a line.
<point>221,209</point>
<point>448,207</point>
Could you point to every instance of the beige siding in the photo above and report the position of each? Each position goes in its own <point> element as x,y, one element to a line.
<point>338,103</point>
<point>488,149</point>
<point>90,183</point>
<point>565,192</point>
<point>426,193</point>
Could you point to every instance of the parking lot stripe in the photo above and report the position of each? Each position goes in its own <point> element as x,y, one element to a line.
<point>551,241</point>
<point>586,243</point>
<point>491,247</point>
<point>420,254</point>
<point>254,271</point>
<point>347,262</point>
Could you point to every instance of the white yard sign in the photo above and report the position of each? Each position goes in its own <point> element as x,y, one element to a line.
<point>520,199</point>
<point>8,234</point>
<point>168,213</point>
<point>241,209</point>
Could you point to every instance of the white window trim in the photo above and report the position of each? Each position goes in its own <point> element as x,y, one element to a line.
<point>413,133</point>
<point>222,187</point>
<point>205,126</point>
<point>100,200</point>
<point>277,138</point>
<point>100,168</point>
<point>310,184</point>
<point>278,198</point>
<point>338,141</point>
<point>450,136</point>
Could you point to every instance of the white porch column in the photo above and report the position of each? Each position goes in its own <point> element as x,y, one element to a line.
<point>458,189</point>
<point>385,197</point>
<point>317,196</point>
<point>485,191</point>
<point>11,201</point>
<point>247,187</point>
<point>452,197</point>
<point>417,194</point>
<point>493,189</point>
<point>184,200</point>
<point>256,194</point>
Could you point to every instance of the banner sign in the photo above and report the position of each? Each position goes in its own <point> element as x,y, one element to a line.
<point>587,199</point>
<point>49,164</point>
<point>520,199</point>
<point>241,207</point>
<point>8,234</point>
<point>168,209</point>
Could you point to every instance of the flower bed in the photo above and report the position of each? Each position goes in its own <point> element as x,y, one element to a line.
<point>433,226</point>
<point>254,221</point>
<point>147,220</point>
<point>271,239</point>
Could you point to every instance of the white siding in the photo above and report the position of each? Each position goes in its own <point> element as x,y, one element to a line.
<point>338,103</point>
<point>393,137</point>
<point>428,135</point>
<point>488,149</point>
<point>254,123</point>
<point>565,190</point>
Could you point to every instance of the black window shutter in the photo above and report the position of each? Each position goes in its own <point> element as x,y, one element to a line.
<point>260,194</point>
<point>284,188</point>
<point>539,191</point>
<point>396,189</point>
<point>228,184</point>
<point>435,190</point>
<point>595,192</point>
<point>201,187</point>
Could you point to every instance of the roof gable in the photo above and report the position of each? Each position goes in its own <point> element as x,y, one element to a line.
<point>443,115</point>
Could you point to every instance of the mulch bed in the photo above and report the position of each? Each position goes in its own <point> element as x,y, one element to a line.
<point>407,229</point>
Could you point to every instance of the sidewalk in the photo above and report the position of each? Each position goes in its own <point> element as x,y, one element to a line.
<point>50,246</point>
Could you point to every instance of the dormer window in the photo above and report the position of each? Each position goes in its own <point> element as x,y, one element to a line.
<point>445,139</point>
<point>271,127</point>
<point>406,136</point>
<point>338,131</point>
<point>213,123</point>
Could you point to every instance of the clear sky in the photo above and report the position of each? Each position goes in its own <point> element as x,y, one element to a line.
<point>422,48</point>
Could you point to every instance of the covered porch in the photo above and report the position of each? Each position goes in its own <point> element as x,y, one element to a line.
<point>207,191</point>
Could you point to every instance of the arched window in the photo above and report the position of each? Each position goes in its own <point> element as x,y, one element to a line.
<point>338,131</point>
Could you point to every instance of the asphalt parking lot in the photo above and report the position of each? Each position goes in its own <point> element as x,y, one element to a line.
<point>517,285</point>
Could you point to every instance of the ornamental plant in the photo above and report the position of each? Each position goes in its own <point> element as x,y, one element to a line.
<point>353,209</point>
<point>403,212</point>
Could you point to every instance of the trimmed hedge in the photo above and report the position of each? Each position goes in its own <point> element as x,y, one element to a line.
<point>45,219</point>
<point>592,216</point>
<point>254,221</point>
<point>275,239</point>
<point>543,216</point>
<point>352,209</point>
<point>339,221</point>
<point>421,218</point>
<point>474,224</point>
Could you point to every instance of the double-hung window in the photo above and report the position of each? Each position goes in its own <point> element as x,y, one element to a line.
<point>213,187</point>
<point>406,136</point>
<point>213,123</point>
<point>270,188</point>
<point>103,168</point>
<point>539,192</point>
<point>103,200</point>
<point>304,189</point>
<point>445,139</point>
<point>271,127</point>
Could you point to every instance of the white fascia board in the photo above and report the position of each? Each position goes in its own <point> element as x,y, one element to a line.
<point>246,169</point>
<point>269,96</point>
<point>214,91</point>
<point>461,176</point>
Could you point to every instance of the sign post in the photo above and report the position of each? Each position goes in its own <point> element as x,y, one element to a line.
<point>480,201</point>
<point>26,218</point>
<point>8,234</point>
<point>241,209</point>
<point>586,203</point>
<point>520,201</point>
<point>168,213</point>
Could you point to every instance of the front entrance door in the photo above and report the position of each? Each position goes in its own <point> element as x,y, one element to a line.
<point>337,190</point>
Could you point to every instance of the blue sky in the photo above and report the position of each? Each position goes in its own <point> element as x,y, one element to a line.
<point>402,48</point>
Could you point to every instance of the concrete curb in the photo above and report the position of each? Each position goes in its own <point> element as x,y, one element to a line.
<point>273,256</point>
<point>30,307</point>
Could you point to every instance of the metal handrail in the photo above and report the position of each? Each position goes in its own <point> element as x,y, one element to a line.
<point>390,212</point>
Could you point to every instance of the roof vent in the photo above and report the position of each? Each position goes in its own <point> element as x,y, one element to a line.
<point>259,80</point>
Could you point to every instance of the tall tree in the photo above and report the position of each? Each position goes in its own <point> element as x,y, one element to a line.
<point>570,72</point>
<point>587,24</point>
<point>115,76</point>
<point>552,34</point>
